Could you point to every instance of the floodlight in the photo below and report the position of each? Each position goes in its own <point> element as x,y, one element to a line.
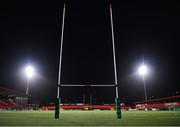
<point>143,70</point>
<point>29,71</point>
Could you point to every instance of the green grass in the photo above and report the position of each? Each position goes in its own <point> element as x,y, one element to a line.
<point>90,118</point>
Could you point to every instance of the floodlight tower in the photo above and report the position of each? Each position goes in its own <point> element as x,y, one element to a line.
<point>143,70</point>
<point>29,71</point>
<point>117,100</point>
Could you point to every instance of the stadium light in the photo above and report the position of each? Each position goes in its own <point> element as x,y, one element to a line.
<point>29,71</point>
<point>143,71</point>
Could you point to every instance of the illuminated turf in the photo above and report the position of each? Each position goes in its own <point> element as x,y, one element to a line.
<point>82,118</point>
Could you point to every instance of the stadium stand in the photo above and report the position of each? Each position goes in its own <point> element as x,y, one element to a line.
<point>86,107</point>
<point>165,103</point>
<point>12,99</point>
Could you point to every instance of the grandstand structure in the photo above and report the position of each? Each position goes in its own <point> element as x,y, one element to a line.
<point>12,99</point>
<point>164,103</point>
<point>87,107</point>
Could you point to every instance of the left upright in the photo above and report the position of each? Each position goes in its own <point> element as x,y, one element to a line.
<point>58,101</point>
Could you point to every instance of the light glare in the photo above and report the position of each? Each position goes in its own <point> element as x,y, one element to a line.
<point>29,71</point>
<point>142,70</point>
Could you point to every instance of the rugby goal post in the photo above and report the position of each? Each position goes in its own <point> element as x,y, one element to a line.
<point>58,100</point>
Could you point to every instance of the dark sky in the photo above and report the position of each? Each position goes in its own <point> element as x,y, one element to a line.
<point>30,33</point>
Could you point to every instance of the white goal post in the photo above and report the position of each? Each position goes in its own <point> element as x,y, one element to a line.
<point>117,100</point>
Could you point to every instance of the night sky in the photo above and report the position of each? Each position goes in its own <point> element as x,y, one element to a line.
<point>30,33</point>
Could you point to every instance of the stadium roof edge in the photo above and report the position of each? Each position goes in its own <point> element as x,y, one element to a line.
<point>159,99</point>
<point>7,91</point>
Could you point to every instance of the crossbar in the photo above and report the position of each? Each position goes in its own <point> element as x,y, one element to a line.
<point>69,85</point>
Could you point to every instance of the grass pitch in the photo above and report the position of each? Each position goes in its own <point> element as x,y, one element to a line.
<point>89,118</point>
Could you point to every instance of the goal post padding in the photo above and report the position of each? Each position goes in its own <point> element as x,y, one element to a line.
<point>118,108</point>
<point>57,109</point>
